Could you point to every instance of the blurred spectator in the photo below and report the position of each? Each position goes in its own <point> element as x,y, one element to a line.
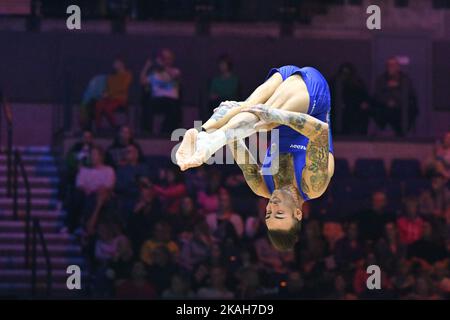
<point>225,215</point>
<point>271,259</point>
<point>195,247</point>
<point>112,246</point>
<point>112,257</point>
<point>208,200</point>
<point>93,93</point>
<point>94,184</point>
<point>78,155</point>
<point>161,84</point>
<point>117,152</point>
<point>249,286</point>
<point>146,213</point>
<point>396,102</point>
<point>443,157</point>
<point>224,86</point>
<point>162,268</point>
<point>98,176</point>
<point>186,218</point>
<point>179,288</point>
<point>434,201</point>
<point>410,225</point>
<point>389,249</point>
<point>372,221</point>
<point>428,248</point>
<point>351,101</point>
<point>216,288</point>
<point>171,189</point>
<point>115,95</point>
<point>129,176</point>
<point>349,249</point>
<point>423,290</point>
<point>162,237</point>
<point>137,287</point>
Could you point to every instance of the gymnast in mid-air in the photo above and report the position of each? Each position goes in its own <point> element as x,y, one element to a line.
<point>296,101</point>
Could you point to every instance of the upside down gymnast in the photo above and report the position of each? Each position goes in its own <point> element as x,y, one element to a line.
<point>296,101</point>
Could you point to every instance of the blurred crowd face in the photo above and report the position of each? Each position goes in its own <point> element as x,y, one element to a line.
<point>138,272</point>
<point>295,282</point>
<point>178,285</point>
<point>438,182</point>
<point>187,205</point>
<point>224,200</point>
<point>161,232</point>
<point>161,256</point>
<point>167,58</point>
<point>132,154</point>
<point>391,231</point>
<point>125,135</point>
<point>340,284</point>
<point>332,231</point>
<point>427,230</point>
<point>379,201</point>
<point>411,206</point>
<point>218,278</point>
<point>392,67</point>
<point>118,65</point>
<point>446,142</point>
<point>224,67</point>
<point>281,211</point>
<point>88,138</point>
<point>352,232</point>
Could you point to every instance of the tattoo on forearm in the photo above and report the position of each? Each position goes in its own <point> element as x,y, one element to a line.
<point>248,165</point>
<point>304,186</point>
<point>317,154</point>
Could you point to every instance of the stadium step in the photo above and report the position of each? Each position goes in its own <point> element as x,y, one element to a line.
<point>64,249</point>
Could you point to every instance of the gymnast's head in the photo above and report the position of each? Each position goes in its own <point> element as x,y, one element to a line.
<point>283,218</point>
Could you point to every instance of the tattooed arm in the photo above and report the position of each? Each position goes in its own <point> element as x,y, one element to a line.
<point>249,167</point>
<point>316,173</point>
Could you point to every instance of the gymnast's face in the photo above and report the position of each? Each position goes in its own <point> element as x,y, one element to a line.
<point>282,212</point>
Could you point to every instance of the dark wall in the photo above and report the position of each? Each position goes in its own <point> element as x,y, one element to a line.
<point>440,76</point>
<point>36,66</point>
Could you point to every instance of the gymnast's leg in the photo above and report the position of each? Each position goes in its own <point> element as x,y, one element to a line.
<point>291,95</point>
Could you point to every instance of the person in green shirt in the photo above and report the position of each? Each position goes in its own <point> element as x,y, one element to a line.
<point>225,85</point>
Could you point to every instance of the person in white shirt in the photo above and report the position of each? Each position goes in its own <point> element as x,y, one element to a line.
<point>99,176</point>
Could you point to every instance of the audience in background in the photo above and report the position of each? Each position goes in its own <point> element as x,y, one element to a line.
<point>117,152</point>
<point>224,86</point>
<point>94,91</point>
<point>161,92</point>
<point>351,102</point>
<point>115,95</point>
<point>395,99</point>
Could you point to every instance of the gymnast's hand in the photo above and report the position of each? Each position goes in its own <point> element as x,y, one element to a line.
<point>268,117</point>
<point>223,109</point>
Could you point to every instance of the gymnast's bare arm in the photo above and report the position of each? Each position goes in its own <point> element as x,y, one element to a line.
<point>319,163</point>
<point>250,168</point>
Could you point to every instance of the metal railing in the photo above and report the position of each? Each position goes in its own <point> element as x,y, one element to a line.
<point>33,230</point>
<point>37,232</point>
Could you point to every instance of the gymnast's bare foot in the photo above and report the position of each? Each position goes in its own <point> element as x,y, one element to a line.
<point>186,149</point>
